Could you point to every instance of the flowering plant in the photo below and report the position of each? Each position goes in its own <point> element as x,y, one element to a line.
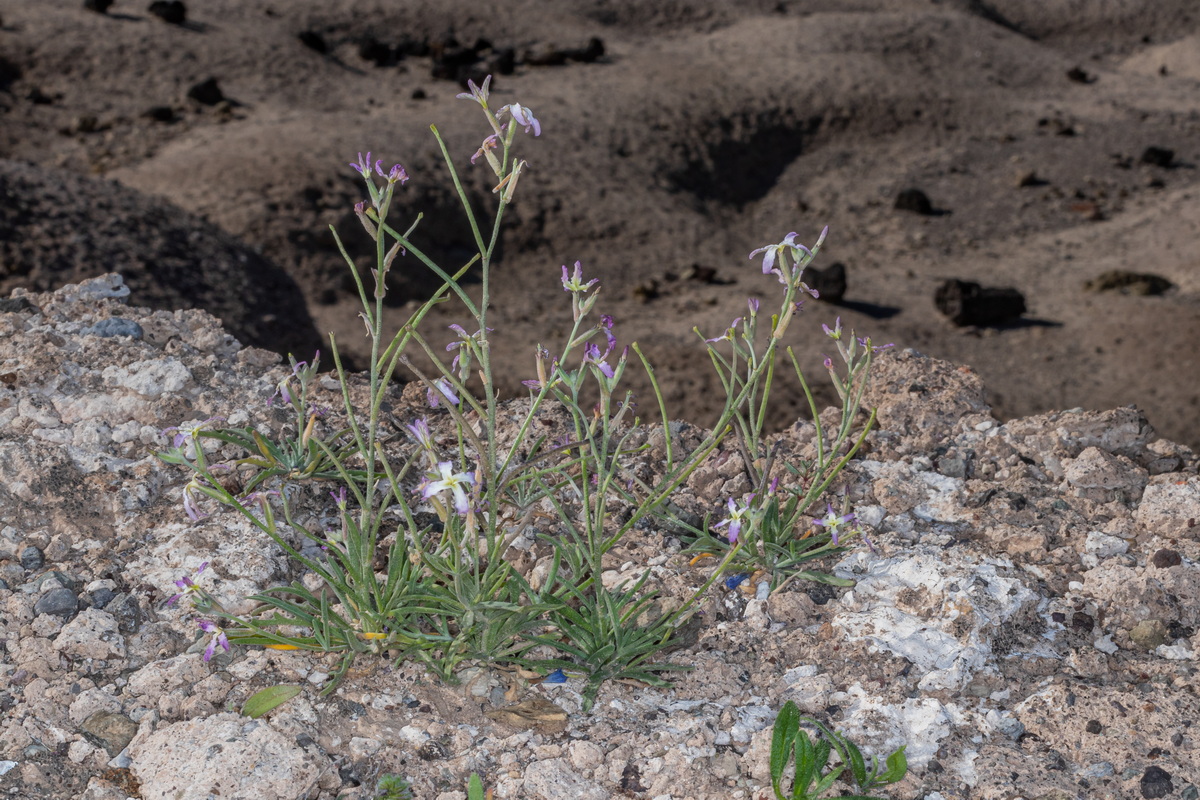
<point>423,561</point>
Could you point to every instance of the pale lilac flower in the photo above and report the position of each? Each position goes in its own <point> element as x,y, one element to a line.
<point>419,428</point>
<point>727,336</point>
<point>485,149</point>
<point>523,117</point>
<point>363,166</point>
<point>753,304</point>
<point>190,508</point>
<point>836,332</point>
<point>828,362</point>
<point>575,283</point>
<point>339,497</point>
<point>450,481</point>
<point>597,359</point>
<point>772,251</point>
<point>186,586</point>
<point>477,93</point>
<point>832,523</point>
<point>736,518</point>
<point>219,639</point>
<point>442,390</point>
<point>185,432</point>
<point>874,348</point>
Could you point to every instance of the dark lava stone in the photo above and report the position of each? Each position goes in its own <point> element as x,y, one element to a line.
<point>1158,156</point>
<point>61,602</point>
<point>914,200</point>
<point>1094,726</point>
<point>830,283</point>
<point>1156,782</point>
<point>968,303</point>
<point>102,597</point>
<point>99,6</point>
<point>172,11</point>
<point>207,92</point>
<point>313,41</point>
<point>160,114</point>
<point>1166,558</point>
<point>32,558</point>
<point>115,326</point>
<point>11,305</point>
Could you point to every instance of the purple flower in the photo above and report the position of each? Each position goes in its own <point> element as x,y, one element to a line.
<point>836,332</point>
<point>185,432</point>
<point>186,586</point>
<point>597,359</point>
<point>866,343</point>
<point>832,523</point>
<point>219,639</point>
<point>523,117</point>
<point>339,497</point>
<point>419,428</point>
<point>485,149</point>
<point>727,336</point>
<point>363,165</point>
<point>189,500</point>
<point>753,304</point>
<point>477,93</point>
<point>828,362</point>
<point>442,390</point>
<point>736,518</point>
<point>575,283</point>
<point>772,251</point>
<point>450,481</point>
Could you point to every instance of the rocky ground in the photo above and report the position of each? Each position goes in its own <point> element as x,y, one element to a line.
<point>1028,624</point>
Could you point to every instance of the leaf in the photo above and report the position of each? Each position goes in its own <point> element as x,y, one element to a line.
<point>858,766</point>
<point>782,739</point>
<point>474,787</point>
<point>897,767</point>
<point>268,699</point>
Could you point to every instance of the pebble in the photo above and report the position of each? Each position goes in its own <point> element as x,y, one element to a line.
<point>109,730</point>
<point>1156,782</point>
<point>32,558</point>
<point>115,326</point>
<point>62,602</point>
<point>1164,559</point>
<point>102,597</point>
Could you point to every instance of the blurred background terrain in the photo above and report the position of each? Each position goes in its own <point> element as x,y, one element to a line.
<point>1050,148</point>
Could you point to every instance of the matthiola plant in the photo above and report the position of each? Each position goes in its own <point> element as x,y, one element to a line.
<point>420,563</point>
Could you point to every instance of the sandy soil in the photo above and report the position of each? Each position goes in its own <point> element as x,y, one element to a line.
<point>705,129</point>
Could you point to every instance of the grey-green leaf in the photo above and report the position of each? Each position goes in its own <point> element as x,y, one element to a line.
<point>268,699</point>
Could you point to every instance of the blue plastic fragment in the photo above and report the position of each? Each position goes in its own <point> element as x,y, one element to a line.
<point>558,676</point>
<point>735,581</point>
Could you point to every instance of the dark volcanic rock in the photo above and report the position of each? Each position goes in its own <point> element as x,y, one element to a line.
<point>173,12</point>
<point>830,282</point>
<point>1126,282</point>
<point>968,303</point>
<point>914,200</point>
<point>207,92</point>
<point>1158,156</point>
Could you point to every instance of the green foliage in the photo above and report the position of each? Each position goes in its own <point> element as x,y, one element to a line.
<point>393,787</point>
<point>421,565</point>
<point>811,776</point>
<point>267,700</point>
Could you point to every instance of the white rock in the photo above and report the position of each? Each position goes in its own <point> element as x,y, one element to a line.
<point>227,756</point>
<point>150,378</point>
<point>92,634</point>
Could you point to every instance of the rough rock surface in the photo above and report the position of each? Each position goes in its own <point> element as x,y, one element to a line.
<point>1027,622</point>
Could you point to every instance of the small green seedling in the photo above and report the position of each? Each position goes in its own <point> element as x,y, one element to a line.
<point>811,758</point>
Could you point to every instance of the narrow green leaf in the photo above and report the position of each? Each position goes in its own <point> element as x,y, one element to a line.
<point>268,699</point>
<point>782,739</point>
<point>858,766</point>
<point>474,788</point>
